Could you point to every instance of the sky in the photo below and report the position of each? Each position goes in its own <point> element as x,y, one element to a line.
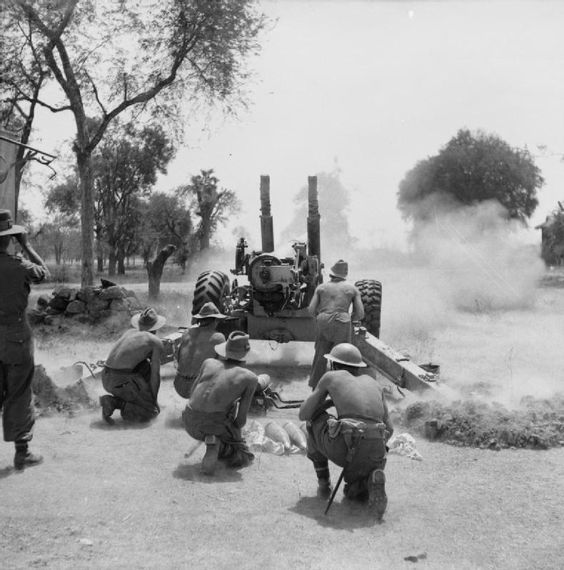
<point>372,87</point>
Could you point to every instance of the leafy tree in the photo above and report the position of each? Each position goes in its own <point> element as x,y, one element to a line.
<point>212,204</point>
<point>111,57</point>
<point>469,169</point>
<point>165,220</point>
<point>125,168</point>
<point>65,198</point>
<point>334,202</point>
<point>24,74</point>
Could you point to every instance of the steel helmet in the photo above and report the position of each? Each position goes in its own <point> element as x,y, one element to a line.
<point>346,353</point>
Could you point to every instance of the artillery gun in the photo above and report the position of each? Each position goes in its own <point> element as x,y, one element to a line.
<point>272,303</point>
<point>270,293</point>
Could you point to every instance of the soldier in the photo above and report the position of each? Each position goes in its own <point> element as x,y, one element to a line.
<point>330,305</point>
<point>356,439</point>
<point>197,345</point>
<point>132,371</point>
<point>16,344</point>
<point>219,404</point>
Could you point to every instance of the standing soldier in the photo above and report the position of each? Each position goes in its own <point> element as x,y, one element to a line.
<point>356,439</point>
<point>16,343</point>
<point>330,304</point>
<point>197,345</point>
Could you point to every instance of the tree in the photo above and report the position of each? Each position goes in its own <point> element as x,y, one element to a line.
<point>124,169</point>
<point>109,57</point>
<point>469,169</point>
<point>212,204</point>
<point>334,202</point>
<point>165,220</point>
<point>155,270</point>
<point>24,74</point>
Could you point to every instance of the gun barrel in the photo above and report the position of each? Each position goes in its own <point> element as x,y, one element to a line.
<point>266,225</point>
<point>313,219</point>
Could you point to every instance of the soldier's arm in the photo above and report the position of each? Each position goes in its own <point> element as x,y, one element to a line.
<point>246,399</point>
<point>314,303</point>
<point>316,400</point>
<point>36,268</point>
<point>386,419</point>
<point>358,307</point>
<point>155,358</point>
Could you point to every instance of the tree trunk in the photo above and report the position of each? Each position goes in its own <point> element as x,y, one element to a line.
<point>155,270</point>
<point>112,261</point>
<point>205,230</point>
<point>99,255</point>
<point>121,263</point>
<point>86,217</point>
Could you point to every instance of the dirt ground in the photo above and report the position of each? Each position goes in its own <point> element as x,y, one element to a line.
<point>127,497</point>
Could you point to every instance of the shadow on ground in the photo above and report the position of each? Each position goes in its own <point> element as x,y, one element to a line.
<point>193,473</point>
<point>346,515</point>
<point>119,425</point>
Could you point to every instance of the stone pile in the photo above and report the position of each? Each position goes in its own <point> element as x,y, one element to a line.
<point>90,305</point>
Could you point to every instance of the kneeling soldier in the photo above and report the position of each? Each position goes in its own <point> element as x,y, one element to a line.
<point>132,371</point>
<point>219,403</point>
<point>356,439</point>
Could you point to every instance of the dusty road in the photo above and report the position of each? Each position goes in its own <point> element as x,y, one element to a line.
<point>133,498</point>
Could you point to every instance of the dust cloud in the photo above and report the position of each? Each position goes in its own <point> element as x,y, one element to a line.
<point>468,296</point>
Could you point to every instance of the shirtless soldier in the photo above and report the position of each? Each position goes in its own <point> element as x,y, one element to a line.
<point>196,345</point>
<point>330,304</point>
<point>132,371</point>
<point>219,403</point>
<point>356,439</point>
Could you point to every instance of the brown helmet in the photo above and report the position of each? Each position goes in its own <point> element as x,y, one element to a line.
<point>346,353</point>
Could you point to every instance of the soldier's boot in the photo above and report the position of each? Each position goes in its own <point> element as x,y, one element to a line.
<point>109,404</point>
<point>324,488</point>
<point>377,498</point>
<point>25,458</point>
<point>209,462</point>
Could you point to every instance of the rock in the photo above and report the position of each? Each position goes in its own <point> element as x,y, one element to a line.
<point>64,292</point>
<point>43,301</point>
<point>76,307</point>
<point>58,303</point>
<point>106,283</point>
<point>119,305</point>
<point>96,305</point>
<point>88,293</point>
<point>113,292</point>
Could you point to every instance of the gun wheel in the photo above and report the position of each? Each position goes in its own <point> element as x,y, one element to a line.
<point>211,286</point>
<point>371,295</point>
